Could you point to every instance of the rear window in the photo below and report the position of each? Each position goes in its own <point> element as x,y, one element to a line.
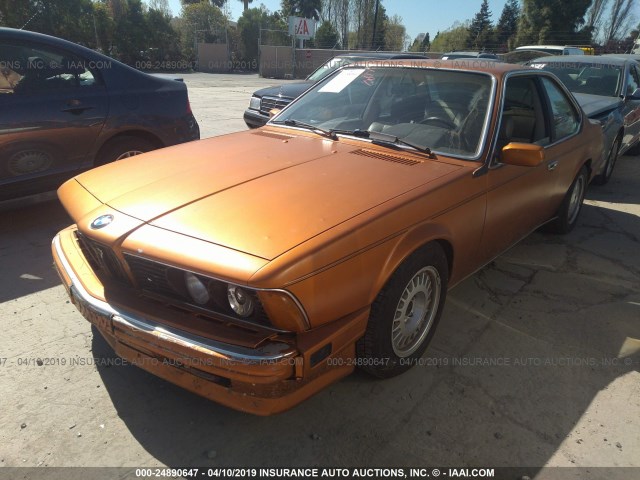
<point>602,79</point>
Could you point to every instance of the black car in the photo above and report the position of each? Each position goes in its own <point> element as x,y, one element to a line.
<point>279,96</point>
<point>65,108</point>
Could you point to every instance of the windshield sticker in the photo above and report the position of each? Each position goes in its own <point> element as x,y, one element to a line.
<point>368,78</point>
<point>341,81</point>
<point>538,65</point>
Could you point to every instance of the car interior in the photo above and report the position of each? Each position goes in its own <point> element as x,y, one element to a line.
<point>522,118</point>
<point>30,70</point>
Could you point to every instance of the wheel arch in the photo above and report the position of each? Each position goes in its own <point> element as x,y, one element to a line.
<point>411,243</point>
<point>136,133</point>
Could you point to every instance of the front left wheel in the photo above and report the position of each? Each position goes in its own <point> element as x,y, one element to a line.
<point>405,314</point>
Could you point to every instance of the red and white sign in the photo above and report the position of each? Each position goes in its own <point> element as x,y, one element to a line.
<point>304,28</point>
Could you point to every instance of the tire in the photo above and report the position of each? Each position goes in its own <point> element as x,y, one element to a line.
<point>604,177</point>
<point>569,210</point>
<point>120,148</point>
<point>409,306</point>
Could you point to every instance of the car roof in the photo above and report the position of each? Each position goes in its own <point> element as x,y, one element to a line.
<point>626,56</point>
<point>593,59</point>
<point>459,52</point>
<point>484,65</point>
<point>539,47</point>
<point>383,55</point>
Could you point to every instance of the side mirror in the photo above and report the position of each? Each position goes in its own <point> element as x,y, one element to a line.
<point>635,95</point>
<point>274,111</point>
<point>522,154</point>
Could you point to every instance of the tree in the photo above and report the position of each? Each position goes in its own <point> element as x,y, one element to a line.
<point>480,30</point>
<point>302,8</point>
<point>426,43</point>
<point>162,40</point>
<point>455,38</point>
<point>416,46</point>
<point>619,20</point>
<point>507,26</point>
<point>69,19</point>
<point>394,33</point>
<point>130,33</point>
<point>16,14</point>
<point>327,36</point>
<point>594,17</point>
<point>249,25</point>
<point>246,4</point>
<point>338,13</point>
<point>551,21</point>
<point>104,27</point>
<point>161,6</point>
<point>198,22</point>
<point>215,3</point>
<point>365,35</point>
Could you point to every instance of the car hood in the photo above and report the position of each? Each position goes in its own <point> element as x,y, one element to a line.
<point>257,192</point>
<point>594,105</point>
<point>287,90</point>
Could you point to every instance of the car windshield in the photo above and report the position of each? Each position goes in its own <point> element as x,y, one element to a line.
<point>439,110</point>
<point>593,78</point>
<point>331,66</point>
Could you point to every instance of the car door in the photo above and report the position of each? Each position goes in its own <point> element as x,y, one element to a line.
<point>631,111</point>
<point>519,198</point>
<point>52,108</point>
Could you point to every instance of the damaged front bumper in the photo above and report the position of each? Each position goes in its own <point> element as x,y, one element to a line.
<point>264,380</point>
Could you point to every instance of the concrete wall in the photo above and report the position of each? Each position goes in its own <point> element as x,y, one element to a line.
<point>213,57</point>
<point>276,62</point>
<point>305,61</point>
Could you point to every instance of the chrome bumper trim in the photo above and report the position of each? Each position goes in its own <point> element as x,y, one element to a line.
<point>231,353</point>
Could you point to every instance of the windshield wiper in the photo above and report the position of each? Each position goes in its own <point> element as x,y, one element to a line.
<point>307,126</point>
<point>379,138</point>
<point>354,133</point>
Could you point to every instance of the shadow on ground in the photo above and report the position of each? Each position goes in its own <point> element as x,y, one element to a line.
<point>25,248</point>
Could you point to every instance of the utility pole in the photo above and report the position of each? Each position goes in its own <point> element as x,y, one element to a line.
<point>375,24</point>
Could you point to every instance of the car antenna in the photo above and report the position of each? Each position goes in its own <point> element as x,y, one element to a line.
<point>29,21</point>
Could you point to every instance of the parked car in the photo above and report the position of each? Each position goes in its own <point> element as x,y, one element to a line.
<point>607,89</point>
<point>553,49</point>
<point>454,55</point>
<point>522,57</point>
<point>257,268</point>
<point>65,108</point>
<point>628,56</point>
<point>279,96</point>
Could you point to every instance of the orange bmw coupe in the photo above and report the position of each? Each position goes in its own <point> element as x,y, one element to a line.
<point>259,267</point>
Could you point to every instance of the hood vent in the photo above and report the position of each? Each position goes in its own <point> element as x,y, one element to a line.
<point>277,136</point>
<point>386,157</point>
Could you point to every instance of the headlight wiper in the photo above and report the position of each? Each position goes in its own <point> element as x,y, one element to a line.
<point>379,138</point>
<point>307,126</point>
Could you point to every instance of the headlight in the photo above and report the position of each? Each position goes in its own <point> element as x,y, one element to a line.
<point>240,301</point>
<point>254,103</point>
<point>198,290</point>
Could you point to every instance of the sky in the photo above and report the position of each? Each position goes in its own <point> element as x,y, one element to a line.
<point>418,16</point>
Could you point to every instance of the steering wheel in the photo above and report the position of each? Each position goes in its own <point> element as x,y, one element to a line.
<point>442,121</point>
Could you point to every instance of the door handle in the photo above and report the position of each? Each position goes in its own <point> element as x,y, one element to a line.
<point>551,166</point>
<point>76,107</point>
